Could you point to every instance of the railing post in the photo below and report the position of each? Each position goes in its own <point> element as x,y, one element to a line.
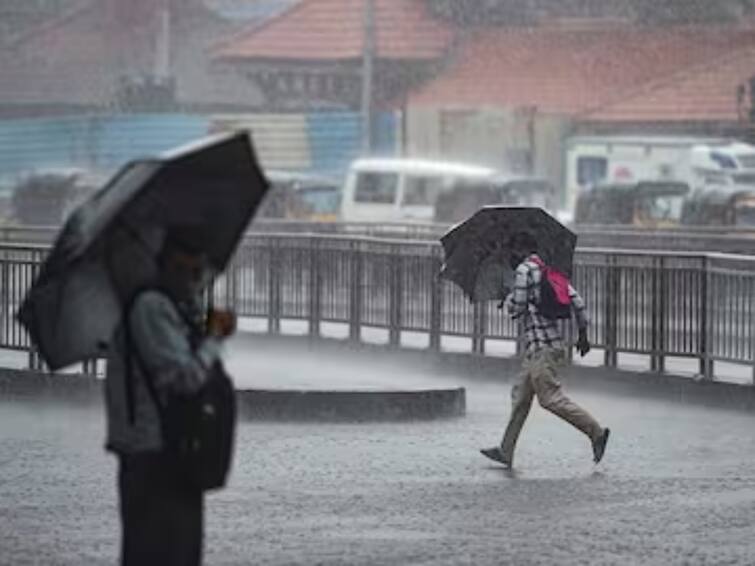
<point>482,330</point>
<point>35,361</point>
<point>89,367</point>
<point>658,324</point>
<point>231,287</point>
<point>315,289</point>
<point>477,322</point>
<point>5,295</point>
<point>395,296</point>
<point>751,312</point>
<point>274,308</point>
<point>356,261</point>
<point>706,365</point>
<point>436,306</point>
<point>612,312</point>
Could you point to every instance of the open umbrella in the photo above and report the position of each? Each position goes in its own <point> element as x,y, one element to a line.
<point>108,247</point>
<point>477,251</point>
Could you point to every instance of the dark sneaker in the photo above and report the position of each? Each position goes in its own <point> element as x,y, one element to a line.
<point>599,445</point>
<point>496,455</point>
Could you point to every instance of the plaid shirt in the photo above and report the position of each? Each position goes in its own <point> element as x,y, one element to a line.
<point>539,331</point>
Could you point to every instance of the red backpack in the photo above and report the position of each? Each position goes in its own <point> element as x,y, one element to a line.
<point>555,302</point>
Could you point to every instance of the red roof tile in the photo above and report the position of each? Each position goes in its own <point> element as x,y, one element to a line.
<point>705,92</point>
<point>566,71</point>
<point>334,30</point>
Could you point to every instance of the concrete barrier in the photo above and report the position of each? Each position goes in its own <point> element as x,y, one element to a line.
<point>351,406</point>
<point>262,405</point>
<point>309,405</point>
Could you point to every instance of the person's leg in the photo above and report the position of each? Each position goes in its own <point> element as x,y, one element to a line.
<point>521,401</point>
<point>186,511</point>
<point>144,530</point>
<point>162,519</point>
<point>183,511</point>
<point>543,368</point>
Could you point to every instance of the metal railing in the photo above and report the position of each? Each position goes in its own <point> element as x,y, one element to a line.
<point>659,304</point>
<point>700,239</point>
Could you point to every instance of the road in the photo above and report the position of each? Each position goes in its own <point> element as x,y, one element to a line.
<point>677,485</point>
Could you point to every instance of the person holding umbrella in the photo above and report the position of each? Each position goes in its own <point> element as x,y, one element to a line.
<point>500,248</point>
<point>161,350</point>
<point>123,280</point>
<point>544,355</point>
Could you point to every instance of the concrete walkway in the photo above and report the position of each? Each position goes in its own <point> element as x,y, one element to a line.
<point>677,485</point>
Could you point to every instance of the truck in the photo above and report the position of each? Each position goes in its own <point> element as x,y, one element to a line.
<point>700,162</point>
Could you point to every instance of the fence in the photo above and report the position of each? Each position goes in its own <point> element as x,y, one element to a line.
<point>702,240</point>
<point>661,305</point>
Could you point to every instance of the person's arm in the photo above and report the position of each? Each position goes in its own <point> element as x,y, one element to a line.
<point>580,314</point>
<point>157,333</point>
<point>579,308</point>
<point>518,305</point>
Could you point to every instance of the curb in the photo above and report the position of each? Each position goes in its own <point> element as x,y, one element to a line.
<point>262,405</point>
<point>351,406</point>
<point>643,385</point>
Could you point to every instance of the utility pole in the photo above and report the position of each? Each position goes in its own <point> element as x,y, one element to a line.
<point>162,63</point>
<point>368,61</point>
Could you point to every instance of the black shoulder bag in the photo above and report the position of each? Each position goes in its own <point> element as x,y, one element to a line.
<point>198,429</point>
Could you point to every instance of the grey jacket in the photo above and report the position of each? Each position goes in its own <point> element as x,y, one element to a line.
<point>161,336</point>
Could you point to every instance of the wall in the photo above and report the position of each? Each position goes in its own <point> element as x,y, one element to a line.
<point>502,138</point>
<point>316,142</point>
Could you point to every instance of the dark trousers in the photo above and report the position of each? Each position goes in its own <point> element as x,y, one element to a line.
<point>162,518</point>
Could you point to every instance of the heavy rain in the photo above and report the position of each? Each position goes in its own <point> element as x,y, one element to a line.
<point>281,281</point>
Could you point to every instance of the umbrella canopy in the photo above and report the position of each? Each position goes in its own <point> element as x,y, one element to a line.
<point>108,248</point>
<point>477,251</point>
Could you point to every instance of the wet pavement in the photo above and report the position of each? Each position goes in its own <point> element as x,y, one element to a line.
<point>677,485</point>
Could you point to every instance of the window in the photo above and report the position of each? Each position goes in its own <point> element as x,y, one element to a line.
<point>591,170</point>
<point>422,191</point>
<point>376,188</point>
<point>322,200</point>
<point>660,208</point>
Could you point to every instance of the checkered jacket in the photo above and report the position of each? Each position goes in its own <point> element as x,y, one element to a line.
<point>539,331</point>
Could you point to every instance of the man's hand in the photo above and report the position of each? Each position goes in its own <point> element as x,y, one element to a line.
<point>221,324</point>
<point>583,344</point>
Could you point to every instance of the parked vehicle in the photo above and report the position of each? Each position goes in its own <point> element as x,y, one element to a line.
<point>698,162</point>
<point>401,190</point>
<point>297,196</point>
<point>45,197</point>
<point>395,190</point>
<point>723,205</point>
<point>466,198</point>
<point>645,204</point>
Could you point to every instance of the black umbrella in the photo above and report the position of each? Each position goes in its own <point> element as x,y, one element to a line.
<point>108,247</point>
<point>477,251</point>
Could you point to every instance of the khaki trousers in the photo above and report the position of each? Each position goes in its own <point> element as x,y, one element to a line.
<point>538,377</point>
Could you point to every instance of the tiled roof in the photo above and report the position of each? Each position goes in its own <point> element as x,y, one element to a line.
<point>334,30</point>
<point>568,71</point>
<point>705,92</point>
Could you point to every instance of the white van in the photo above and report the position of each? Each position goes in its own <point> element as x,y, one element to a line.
<point>401,190</point>
<point>632,159</point>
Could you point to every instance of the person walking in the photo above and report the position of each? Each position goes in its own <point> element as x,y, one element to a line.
<point>160,350</point>
<point>544,355</point>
